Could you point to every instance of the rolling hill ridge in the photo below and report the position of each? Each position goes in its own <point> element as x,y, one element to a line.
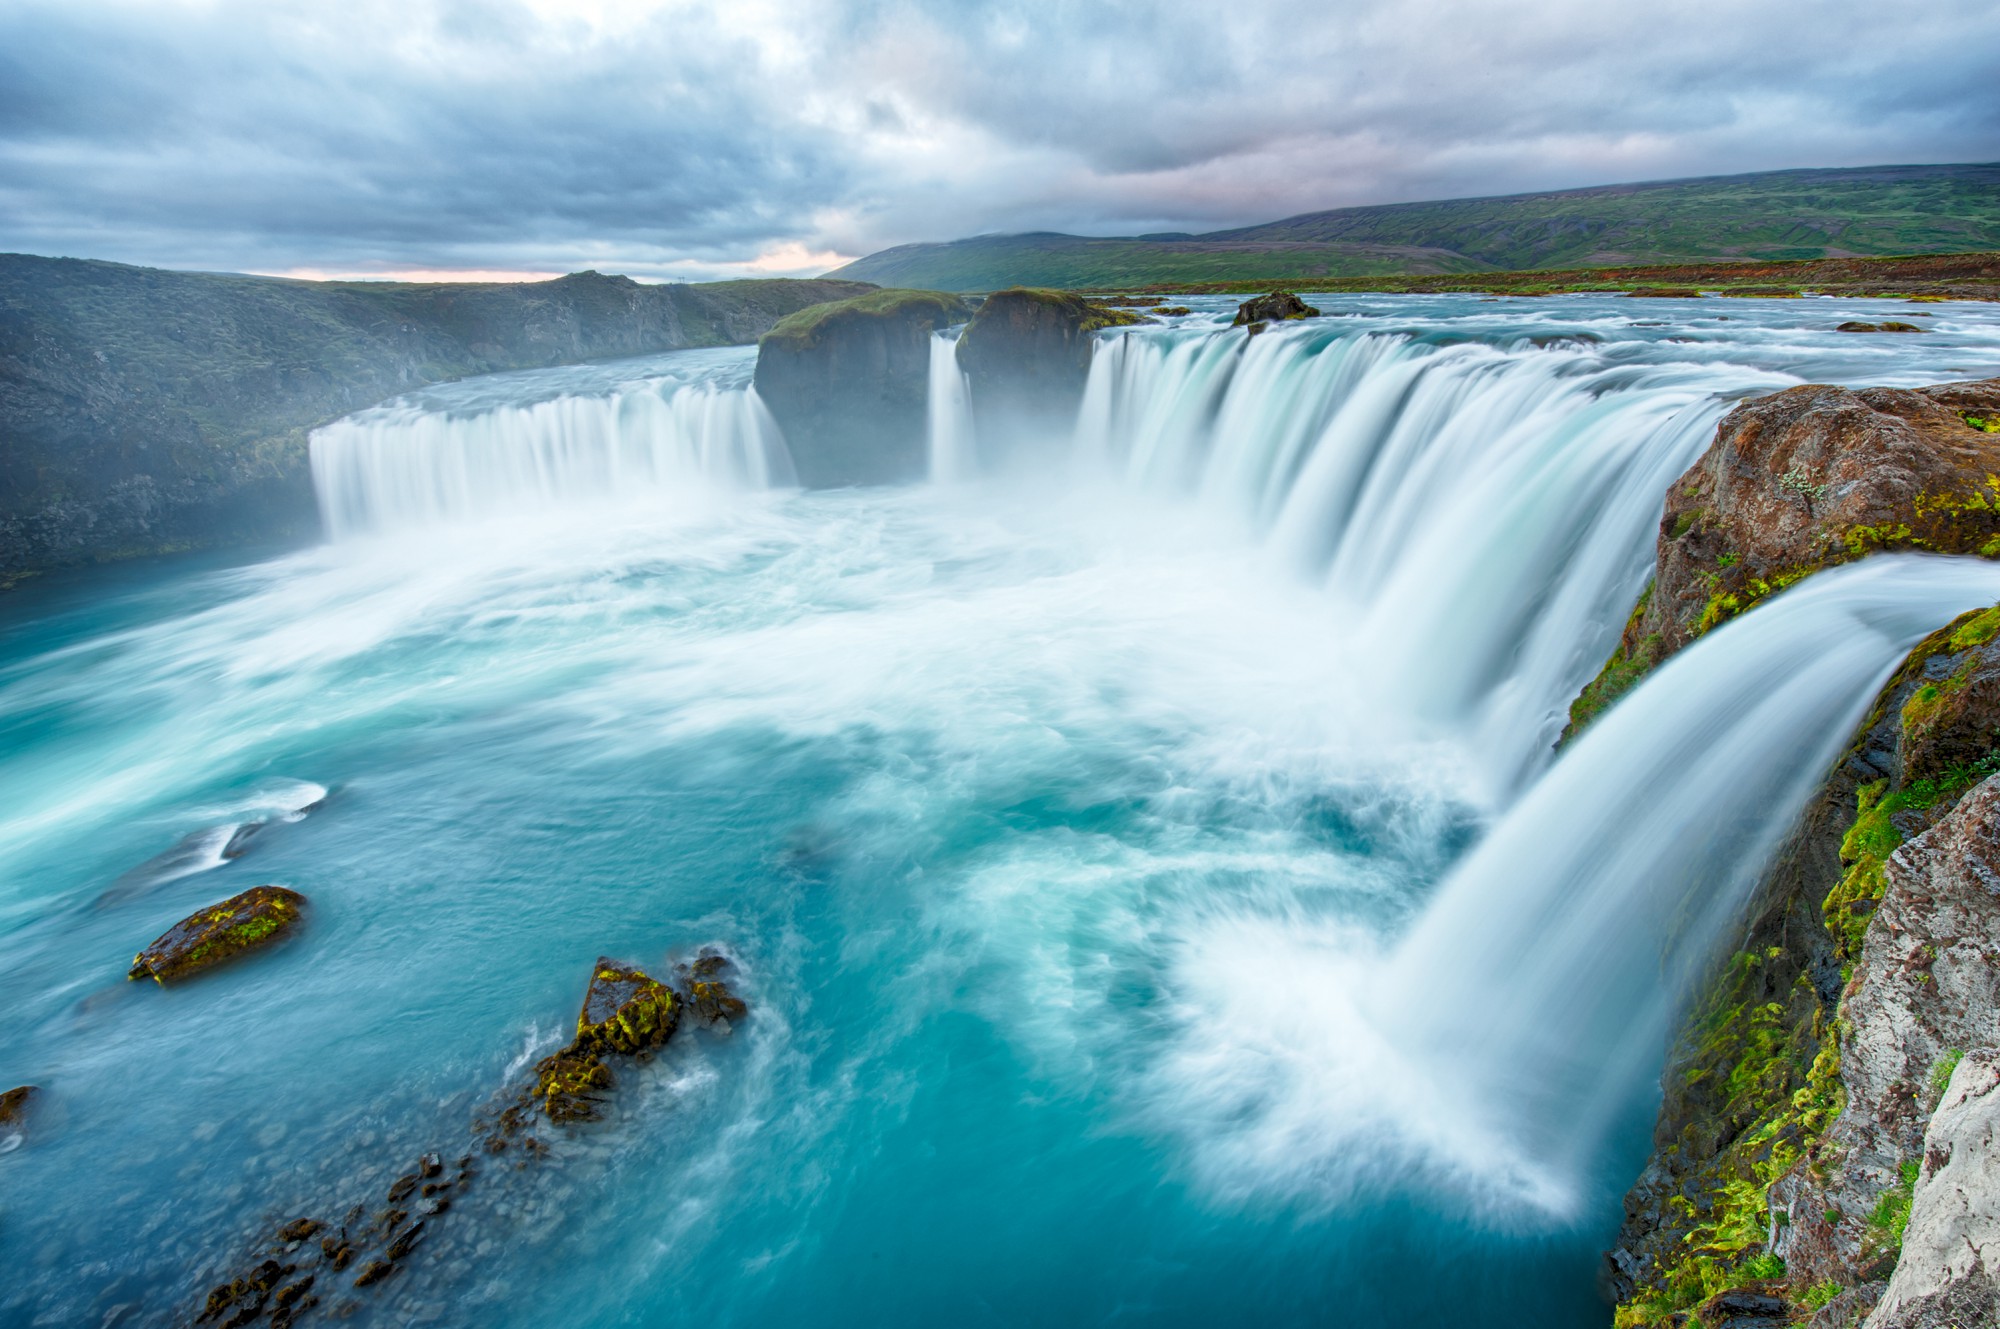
<point>1772,215</point>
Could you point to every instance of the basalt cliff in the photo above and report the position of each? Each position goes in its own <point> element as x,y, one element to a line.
<point>1823,1148</point>
<point>144,410</point>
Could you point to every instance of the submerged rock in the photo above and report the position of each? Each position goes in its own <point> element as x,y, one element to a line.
<point>847,383</point>
<point>14,1107</point>
<point>1891,326</point>
<point>1026,356</point>
<point>207,937</point>
<point>626,1012</point>
<point>1276,307</point>
<point>14,1104</point>
<point>707,993</point>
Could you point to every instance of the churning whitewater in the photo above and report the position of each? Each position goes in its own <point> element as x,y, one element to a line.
<point>1145,854</point>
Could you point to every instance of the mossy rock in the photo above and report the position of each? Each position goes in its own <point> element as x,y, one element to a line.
<point>1274,307</point>
<point>568,1083</point>
<point>207,937</point>
<point>1807,479</point>
<point>804,329</point>
<point>625,1010</point>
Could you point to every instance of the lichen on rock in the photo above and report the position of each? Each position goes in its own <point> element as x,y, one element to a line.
<point>625,1010</point>
<point>1923,994</point>
<point>1802,480</point>
<point>207,937</point>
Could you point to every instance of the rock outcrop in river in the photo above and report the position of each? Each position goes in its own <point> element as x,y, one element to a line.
<point>1803,480</point>
<point>1791,1139</point>
<point>208,937</point>
<point>1026,356</point>
<point>143,410</point>
<point>847,381</point>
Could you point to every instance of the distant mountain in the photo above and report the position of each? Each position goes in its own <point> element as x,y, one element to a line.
<point>1837,213</point>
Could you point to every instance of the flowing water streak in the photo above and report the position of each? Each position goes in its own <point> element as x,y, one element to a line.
<point>1484,512</point>
<point>1539,982</point>
<point>953,454</point>
<point>406,465</point>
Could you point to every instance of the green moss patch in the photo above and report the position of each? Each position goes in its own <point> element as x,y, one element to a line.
<point>802,330</point>
<point>209,936</point>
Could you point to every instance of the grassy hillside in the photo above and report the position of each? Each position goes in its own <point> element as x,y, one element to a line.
<point>1776,215</point>
<point>143,410</point>
<point>1922,276</point>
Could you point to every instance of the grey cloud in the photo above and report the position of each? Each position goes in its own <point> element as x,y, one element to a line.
<point>454,133</point>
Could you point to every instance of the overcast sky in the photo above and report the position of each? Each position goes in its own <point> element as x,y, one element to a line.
<point>694,139</point>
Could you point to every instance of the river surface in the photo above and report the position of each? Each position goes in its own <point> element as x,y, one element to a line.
<point>1096,832</point>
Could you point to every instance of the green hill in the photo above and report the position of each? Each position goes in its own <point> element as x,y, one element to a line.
<point>1773,215</point>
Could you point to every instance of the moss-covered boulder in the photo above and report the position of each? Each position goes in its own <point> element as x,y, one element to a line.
<point>1026,356</point>
<point>708,993</point>
<point>1803,480</point>
<point>847,383</point>
<point>207,937</point>
<point>1275,307</point>
<point>625,1011</point>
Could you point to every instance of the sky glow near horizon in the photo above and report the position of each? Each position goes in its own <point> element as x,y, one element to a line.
<point>686,140</point>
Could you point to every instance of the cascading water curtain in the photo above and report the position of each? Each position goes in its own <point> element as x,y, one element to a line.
<point>400,466</point>
<point>1485,513</point>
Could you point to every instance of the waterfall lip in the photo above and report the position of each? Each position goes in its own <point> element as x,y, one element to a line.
<point>658,431</point>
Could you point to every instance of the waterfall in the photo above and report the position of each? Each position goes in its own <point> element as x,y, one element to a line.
<point>1538,984</point>
<point>1484,512</point>
<point>952,453</point>
<point>410,463</point>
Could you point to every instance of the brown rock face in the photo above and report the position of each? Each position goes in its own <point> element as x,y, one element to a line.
<point>1026,356</point>
<point>1803,480</point>
<point>207,937</point>
<point>1276,307</point>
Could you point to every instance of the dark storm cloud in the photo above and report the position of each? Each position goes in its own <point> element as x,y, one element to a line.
<point>679,138</point>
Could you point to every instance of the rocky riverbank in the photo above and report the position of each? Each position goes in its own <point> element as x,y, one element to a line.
<point>145,411</point>
<point>1791,1159</point>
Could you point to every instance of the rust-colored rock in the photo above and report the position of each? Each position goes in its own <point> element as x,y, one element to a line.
<point>14,1105</point>
<point>1806,479</point>
<point>220,932</point>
